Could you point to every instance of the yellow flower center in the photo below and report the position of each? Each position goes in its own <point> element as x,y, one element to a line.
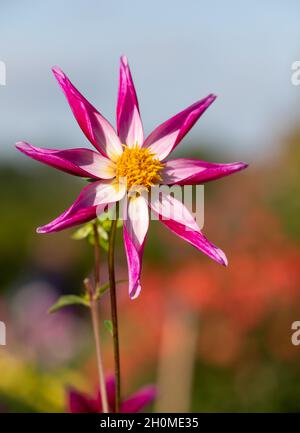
<point>139,167</point>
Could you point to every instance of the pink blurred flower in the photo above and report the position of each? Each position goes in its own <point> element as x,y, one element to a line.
<point>125,154</point>
<point>82,403</point>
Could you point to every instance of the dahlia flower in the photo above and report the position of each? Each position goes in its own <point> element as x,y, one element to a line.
<point>126,154</point>
<point>82,403</point>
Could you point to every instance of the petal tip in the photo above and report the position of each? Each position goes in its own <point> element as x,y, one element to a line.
<point>238,166</point>
<point>124,60</point>
<point>150,392</point>
<point>57,71</point>
<point>59,75</point>
<point>44,230</point>
<point>134,293</point>
<point>152,389</point>
<point>243,165</point>
<point>20,145</point>
<point>210,99</point>
<point>223,258</point>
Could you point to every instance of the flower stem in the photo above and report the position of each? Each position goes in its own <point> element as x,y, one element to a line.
<point>114,312</point>
<point>92,290</point>
<point>97,256</point>
<point>95,321</point>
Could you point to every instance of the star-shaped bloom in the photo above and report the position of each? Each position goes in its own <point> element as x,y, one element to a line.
<point>142,162</point>
<point>79,402</point>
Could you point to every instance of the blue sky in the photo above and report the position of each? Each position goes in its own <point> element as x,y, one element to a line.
<point>178,52</point>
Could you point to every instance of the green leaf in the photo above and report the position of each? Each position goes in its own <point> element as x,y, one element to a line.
<point>104,244</point>
<point>108,325</point>
<point>102,289</point>
<point>91,238</point>
<point>105,220</point>
<point>83,232</point>
<point>101,232</point>
<point>103,229</point>
<point>66,300</point>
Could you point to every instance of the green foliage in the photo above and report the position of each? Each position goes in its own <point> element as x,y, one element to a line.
<point>67,300</point>
<point>83,232</point>
<point>103,228</point>
<point>101,290</point>
<point>108,325</point>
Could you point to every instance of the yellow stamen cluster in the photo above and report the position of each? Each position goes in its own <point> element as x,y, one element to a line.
<point>139,167</point>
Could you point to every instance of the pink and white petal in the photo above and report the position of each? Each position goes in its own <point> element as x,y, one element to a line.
<point>181,222</point>
<point>168,207</point>
<point>108,191</point>
<point>139,400</point>
<point>129,124</point>
<point>167,136</point>
<point>136,223</point>
<point>91,202</point>
<point>135,135</point>
<point>79,162</point>
<point>95,127</point>
<point>198,240</point>
<point>183,171</point>
<point>70,218</point>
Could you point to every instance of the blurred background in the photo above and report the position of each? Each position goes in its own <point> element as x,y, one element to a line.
<point>212,339</point>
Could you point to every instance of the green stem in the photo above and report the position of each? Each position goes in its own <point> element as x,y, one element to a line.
<point>97,256</point>
<point>101,375</point>
<point>96,326</point>
<point>114,312</point>
<point>95,320</point>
